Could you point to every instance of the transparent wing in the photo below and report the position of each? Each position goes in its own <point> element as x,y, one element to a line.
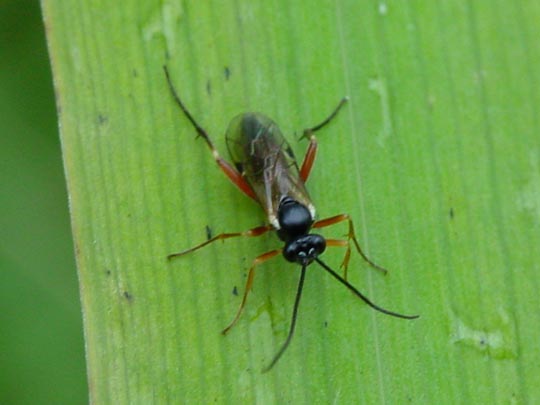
<point>263,156</point>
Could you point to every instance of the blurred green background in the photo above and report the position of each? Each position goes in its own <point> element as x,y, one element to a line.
<point>41,335</point>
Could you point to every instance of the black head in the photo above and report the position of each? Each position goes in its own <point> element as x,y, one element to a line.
<point>304,249</point>
<point>294,219</point>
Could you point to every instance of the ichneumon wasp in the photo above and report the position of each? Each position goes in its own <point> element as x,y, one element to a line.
<point>264,168</point>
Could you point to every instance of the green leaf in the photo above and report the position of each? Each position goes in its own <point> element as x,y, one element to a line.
<point>436,157</point>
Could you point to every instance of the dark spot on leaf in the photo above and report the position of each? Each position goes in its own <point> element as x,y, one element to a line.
<point>102,119</point>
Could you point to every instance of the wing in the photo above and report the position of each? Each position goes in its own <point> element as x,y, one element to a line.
<point>263,156</point>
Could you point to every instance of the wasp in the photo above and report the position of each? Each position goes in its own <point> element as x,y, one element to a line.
<point>265,169</point>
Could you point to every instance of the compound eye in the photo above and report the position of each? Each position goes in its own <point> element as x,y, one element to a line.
<point>318,243</point>
<point>290,252</point>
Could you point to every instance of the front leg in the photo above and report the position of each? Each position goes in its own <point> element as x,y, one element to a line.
<point>351,235</point>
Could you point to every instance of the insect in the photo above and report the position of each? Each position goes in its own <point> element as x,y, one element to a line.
<point>266,170</point>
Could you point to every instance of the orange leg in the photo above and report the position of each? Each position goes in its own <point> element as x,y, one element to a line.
<point>225,166</point>
<point>258,231</point>
<point>341,243</point>
<point>309,157</point>
<point>309,133</point>
<point>258,260</point>
<point>351,235</point>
